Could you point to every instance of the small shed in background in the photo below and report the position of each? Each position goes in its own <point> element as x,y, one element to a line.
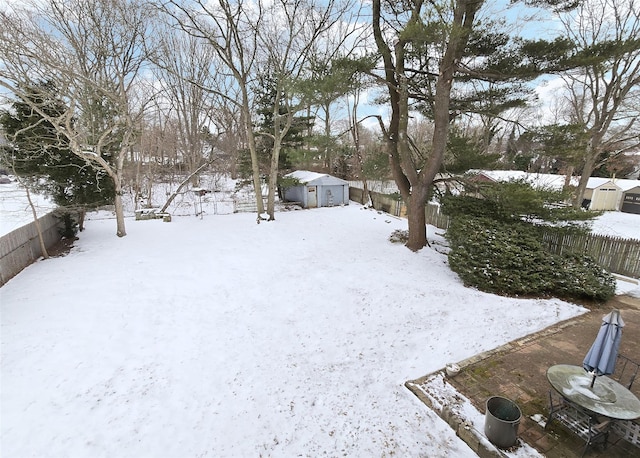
<point>602,194</point>
<point>316,190</point>
<point>612,194</point>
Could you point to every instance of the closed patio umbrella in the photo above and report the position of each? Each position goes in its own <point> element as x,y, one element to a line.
<point>601,358</point>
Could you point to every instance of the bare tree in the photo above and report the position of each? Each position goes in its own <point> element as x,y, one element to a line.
<point>185,73</point>
<point>603,93</point>
<point>229,28</point>
<point>355,130</point>
<point>251,38</point>
<point>156,153</point>
<point>94,54</point>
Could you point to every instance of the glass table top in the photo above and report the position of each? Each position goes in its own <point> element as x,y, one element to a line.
<point>607,397</point>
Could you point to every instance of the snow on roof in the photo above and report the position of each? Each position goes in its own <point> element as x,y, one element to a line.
<point>548,180</point>
<point>304,176</point>
<point>625,185</point>
<point>594,182</point>
<point>539,180</point>
<point>501,175</point>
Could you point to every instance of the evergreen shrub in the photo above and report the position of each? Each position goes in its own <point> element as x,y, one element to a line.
<point>69,221</point>
<point>508,257</point>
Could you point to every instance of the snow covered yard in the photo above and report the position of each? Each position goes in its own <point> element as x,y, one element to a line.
<point>617,224</point>
<point>15,211</point>
<point>221,337</point>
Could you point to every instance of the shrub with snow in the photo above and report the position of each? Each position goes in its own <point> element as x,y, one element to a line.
<point>509,258</point>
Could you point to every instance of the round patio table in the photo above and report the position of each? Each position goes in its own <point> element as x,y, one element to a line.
<point>607,397</point>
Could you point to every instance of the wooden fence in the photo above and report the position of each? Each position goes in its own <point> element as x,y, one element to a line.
<point>394,206</point>
<point>620,256</point>
<point>435,217</point>
<point>382,202</point>
<point>21,247</point>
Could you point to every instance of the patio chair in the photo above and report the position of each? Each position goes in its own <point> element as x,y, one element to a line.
<point>578,421</point>
<point>626,371</point>
<point>628,430</point>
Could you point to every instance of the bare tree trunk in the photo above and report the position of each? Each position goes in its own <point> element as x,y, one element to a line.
<point>413,178</point>
<point>328,159</point>
<point>568,174</point>
<point>417,222</point>
<point>588,167</point>
<point>279,132</point>
<point>119,208</point>
<point>355,135</point>
<point>273,181</point>
<point>182,185</point>
<point>36,222</point>
<point>251,139</point>
<point>81,214</point>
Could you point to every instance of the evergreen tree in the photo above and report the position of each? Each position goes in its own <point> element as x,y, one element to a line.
<point>40,155</point>
<point>295,137</point>
<point>465,153</point>
<point>332,77</point>
<point>564,145</point>
<point>445,60</point>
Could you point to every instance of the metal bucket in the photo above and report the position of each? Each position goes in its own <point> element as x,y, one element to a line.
<point>501,422</point>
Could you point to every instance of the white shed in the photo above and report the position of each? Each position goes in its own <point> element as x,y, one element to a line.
<point>602,194</point>
<point>316,190</point>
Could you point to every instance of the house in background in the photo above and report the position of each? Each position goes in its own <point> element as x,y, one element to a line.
<point>536,180</point>
<point>601,194</point>
<point>316,190</point>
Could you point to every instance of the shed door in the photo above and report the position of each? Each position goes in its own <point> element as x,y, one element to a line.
<point>312,196</point>
<point>631,203</point>
<point>605,199</point>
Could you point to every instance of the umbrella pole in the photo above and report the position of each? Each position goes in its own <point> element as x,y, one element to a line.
<point>593,381</point>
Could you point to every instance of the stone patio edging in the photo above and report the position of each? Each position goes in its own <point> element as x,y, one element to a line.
<point>465,431</point>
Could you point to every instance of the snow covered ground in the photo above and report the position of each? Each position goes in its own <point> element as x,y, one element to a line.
<point>617,224</point>
<point>220,337</point>
<point>15,211</point>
